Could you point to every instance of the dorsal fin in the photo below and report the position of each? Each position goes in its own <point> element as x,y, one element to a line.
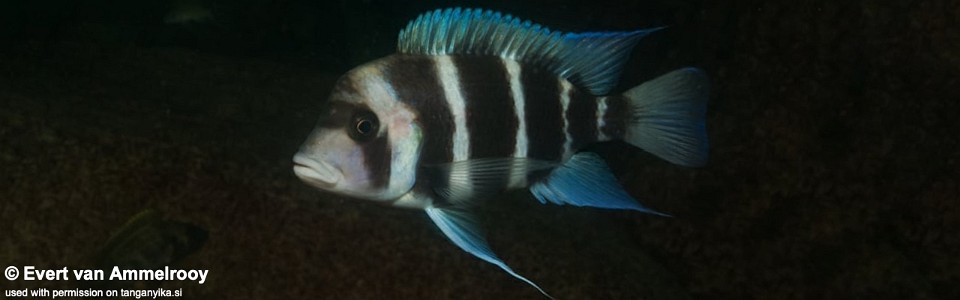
<point>592,60</point>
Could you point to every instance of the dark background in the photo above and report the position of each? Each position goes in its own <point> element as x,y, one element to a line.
<point>833,174</point>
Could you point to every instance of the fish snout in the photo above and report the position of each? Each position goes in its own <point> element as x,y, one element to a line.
<point>314,172</point>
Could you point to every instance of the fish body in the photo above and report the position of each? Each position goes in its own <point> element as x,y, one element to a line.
<point>148,240</point>
<point>476,102</point>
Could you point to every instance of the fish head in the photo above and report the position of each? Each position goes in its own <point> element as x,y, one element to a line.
<point>365,145</point>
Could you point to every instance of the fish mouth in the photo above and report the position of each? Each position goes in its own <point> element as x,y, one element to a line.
<point>315,173</point>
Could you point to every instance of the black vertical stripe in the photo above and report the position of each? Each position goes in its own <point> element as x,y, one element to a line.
<point>377,159</point>
<point>490,118</point>
<point>616,117</point>
<point>338,115</point>
<point>415,80</point>
<point>543,113</point>
<point>582,118</point>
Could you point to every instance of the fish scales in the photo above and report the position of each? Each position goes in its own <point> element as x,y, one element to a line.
<point>484,90</point>
<point>418,85</point>
<point>544,114</point>
<point>582,119</point>
<point>491,120</point>
<point>476,102</point>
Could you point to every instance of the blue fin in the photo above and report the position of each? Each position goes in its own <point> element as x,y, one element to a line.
<point>462,182</point>
<point>669,118</point>
<point>591,60</point>
<point>585,180</point>
<point>463,231</point>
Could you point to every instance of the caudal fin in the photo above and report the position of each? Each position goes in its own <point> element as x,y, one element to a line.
<point>668,117</point>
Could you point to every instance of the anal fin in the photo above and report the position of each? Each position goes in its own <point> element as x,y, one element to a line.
<point>585,180</point>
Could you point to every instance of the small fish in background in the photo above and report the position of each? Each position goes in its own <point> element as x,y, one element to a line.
<point>476,102</point>
<point>148,241</point>
<point>186,12</point>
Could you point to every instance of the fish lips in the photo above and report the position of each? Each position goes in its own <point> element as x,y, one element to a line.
<point>315,173</point>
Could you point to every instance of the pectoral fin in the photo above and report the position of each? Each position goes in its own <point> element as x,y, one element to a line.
<point>459,183</point>
<point>462,230</point>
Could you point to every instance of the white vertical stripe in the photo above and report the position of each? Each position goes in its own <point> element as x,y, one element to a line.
<point>461,184</point>
<point>601,109</point>
<point>518,175</point>
<point>450,80</point>
<point>565,89</point>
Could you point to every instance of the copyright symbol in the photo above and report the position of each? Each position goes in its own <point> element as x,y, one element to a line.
<point>11,273</point>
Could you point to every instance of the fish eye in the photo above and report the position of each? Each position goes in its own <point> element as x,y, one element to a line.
<point>365,126</point>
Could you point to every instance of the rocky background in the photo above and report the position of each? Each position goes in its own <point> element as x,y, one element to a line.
<point>833,124</point>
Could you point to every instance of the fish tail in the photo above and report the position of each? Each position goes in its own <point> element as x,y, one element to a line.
<point>668,117</point>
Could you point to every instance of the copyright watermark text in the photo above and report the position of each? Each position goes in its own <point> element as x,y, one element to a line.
<point>31,273</point>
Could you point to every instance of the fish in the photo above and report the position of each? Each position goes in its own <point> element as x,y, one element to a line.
<point>148,240</point>
<point>476,102</point>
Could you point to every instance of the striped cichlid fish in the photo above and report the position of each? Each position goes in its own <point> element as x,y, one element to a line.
<point>476,102</point>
